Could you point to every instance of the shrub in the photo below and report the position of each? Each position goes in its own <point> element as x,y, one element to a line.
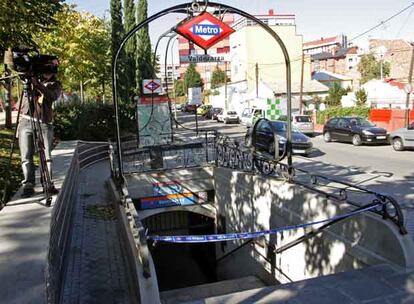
<point>323,116</point>
<point>90,121</point>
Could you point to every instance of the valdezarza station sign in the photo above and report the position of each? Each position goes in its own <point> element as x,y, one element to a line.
<point>204,58</point>
<point>205,30</point>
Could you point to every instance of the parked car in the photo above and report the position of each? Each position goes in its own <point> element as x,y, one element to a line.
<point>203,110</point>
<point>228,117</point>
<point>190,108</point>
<point>403,138</point>
<point>263,132</point>
<point>356,130</point>
<point>302,122</point>
<point>178,107</point>
<point>213,112</point>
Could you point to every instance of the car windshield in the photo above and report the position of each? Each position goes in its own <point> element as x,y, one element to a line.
<point>303,119</point>
<point>281,126</point>
<point>231,113</point>
<point>361,122</point>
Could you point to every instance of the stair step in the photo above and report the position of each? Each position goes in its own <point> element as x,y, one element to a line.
<point>210,290</point>
<point>358,286</point>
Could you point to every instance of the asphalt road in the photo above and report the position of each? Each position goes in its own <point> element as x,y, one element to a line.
<point>378,168</point>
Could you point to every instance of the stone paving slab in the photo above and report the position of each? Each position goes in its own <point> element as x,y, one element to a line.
<point>24,240</point>
<point>96,271</point>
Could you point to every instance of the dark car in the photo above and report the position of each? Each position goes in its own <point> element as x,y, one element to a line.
<point>264,130</point>
<point>213,112</point>
<point>190,108</point>
<point>356,130</point>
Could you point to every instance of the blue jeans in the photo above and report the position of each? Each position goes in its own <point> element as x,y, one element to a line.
<point>27,149</point>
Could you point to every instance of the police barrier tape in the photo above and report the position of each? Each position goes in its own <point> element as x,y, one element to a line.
<point>250,235</point>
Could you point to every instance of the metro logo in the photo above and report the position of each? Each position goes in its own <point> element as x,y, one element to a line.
<point>205,30</point>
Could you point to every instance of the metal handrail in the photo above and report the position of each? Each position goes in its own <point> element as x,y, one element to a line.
<point>234,250</point>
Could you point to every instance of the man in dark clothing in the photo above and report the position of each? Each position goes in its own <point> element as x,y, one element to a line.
<point>45,92</point>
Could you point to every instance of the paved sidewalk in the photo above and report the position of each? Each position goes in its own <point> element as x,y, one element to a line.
<point>96,271</point>
<point>24,240</point>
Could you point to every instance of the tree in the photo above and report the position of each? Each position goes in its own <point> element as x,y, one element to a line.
<point>361,97</point>
<point>117,33</point>
<point>179,88</point>
<point>218,78</point>
<point>192,78</point>
<point>335,94</point>
<point>81,42</point>
<point>19,21</point>
<point>370,68</point>
<point>144,58</point>
<point>130,48</point>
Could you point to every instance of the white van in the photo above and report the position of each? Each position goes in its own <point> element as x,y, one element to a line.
<point>248,115</point>
<point>302,122</point>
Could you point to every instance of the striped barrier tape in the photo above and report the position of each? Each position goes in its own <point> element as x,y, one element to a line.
<point>249,235</point>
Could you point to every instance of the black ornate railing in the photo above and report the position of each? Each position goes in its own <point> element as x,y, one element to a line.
<point>232,155</point>
<point>194,149</point>
<point>342,190</point>
<point>210,147</point>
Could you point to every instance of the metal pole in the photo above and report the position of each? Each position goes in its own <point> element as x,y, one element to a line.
<point>410,78</point>
<point>225,87</point>
<point>257,79</point>
<point>301,85</point>
<point>381,63</point>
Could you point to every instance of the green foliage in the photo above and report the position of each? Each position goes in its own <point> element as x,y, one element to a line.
<point>361,97</point>
<point>144,59</point>
<point>9,175</point>
<point>335,94</point>
<point>370,68</point>
<point>90,121</point>
<point>117,33</point>
<point>81,41</point>
<point>218,78</point>
<point>179,88</point>
<point>323,116</point>
<point>192,78</point>
<point>131,45</point>
<point>21,19</point>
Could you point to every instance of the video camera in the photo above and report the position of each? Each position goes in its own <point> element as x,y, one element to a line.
<point>33,65</point>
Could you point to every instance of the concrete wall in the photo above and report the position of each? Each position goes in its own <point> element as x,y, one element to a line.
<point>249,202</point>
<point>195,180</point>
<point>252,44</point>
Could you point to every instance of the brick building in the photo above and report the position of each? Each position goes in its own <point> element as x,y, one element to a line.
<point>397,53</point>
<point>342,61</point>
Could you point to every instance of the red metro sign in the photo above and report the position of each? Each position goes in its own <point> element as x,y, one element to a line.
<point>205,30</point>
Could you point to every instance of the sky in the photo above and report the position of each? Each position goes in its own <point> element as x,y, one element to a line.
<point>314,18</point>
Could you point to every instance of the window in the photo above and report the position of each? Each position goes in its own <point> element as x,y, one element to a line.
<point>343,123</point>
<point>279,126</point>
<point>333,122</point>
<point>303,119</point>
<point>263,126</point>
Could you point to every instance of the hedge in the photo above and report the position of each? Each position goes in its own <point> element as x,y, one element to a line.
<point>323,116</point>
<point>90,121</point>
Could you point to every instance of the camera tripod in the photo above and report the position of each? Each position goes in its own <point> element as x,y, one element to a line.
<point>38,143</point>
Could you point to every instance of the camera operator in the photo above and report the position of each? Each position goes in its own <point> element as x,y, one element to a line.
<point>45,89</point>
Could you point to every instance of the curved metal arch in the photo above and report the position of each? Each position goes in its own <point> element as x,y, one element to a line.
<point>198,209</point>
<point>183,8</point>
